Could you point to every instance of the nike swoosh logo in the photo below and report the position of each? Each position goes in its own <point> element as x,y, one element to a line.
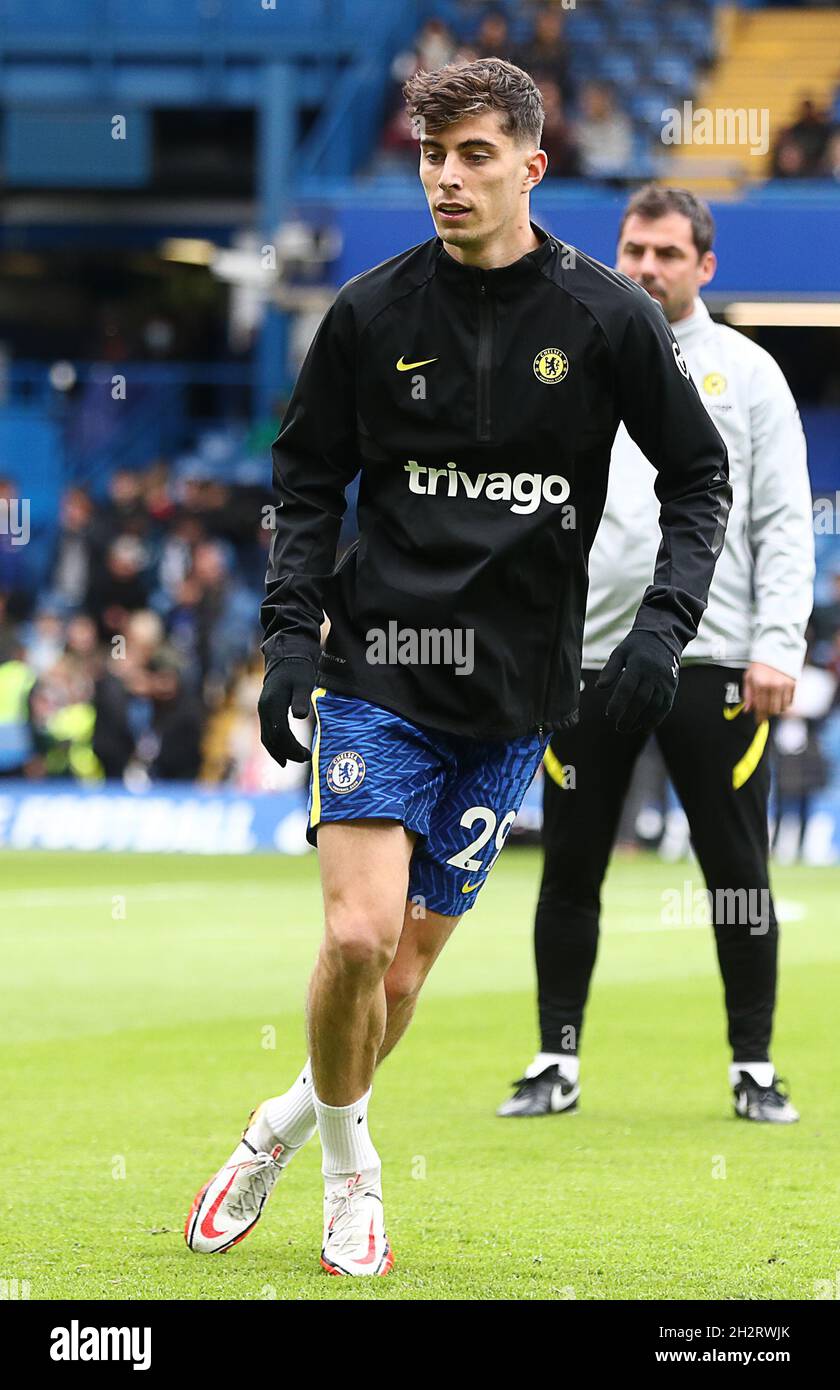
<point>403,366</point>
<point>560,1099</point>
<point>732,711</point>
<point>470,887</point>
<point>208,1230</point>
<point>371,1254</point>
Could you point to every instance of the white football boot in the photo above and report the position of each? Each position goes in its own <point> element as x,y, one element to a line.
<point>550,1092</point>
<point>354,1228</point>
<point>763,1103</point>
<point>227,1207</point>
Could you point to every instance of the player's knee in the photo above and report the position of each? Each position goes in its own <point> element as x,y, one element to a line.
<point>404,982</point>
<point>360,944</point>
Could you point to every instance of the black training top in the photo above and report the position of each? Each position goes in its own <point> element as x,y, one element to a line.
<point>481,407</point>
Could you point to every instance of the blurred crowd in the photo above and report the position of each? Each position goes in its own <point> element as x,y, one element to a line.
<point>587,133</point>
<point>809,148</point>
<point>596,141</point>
<point>138,659</point>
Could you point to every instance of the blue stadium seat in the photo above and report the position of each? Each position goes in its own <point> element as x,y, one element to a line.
<point>703,8</point>
<point>693,33</point>
<point>587,30</point>
<point>639,29</point>
<point>521,27</point>
<point>644,164</point>
<point>646,106</point>
<point>618,67</point>
<point>675,72</point>
<point>583,64</point>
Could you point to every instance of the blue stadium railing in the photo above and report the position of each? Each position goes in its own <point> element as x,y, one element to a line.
<point>228,21</point>
<point>97,432</point>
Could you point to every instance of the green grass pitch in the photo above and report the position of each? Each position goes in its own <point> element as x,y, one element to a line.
<point>148,1002</point>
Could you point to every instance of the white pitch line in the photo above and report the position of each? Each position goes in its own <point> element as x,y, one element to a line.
<point>161,892</point>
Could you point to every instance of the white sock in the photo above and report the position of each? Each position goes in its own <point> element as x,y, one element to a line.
<point>345,1139</point>
<point>288,1119</point>
<point>762,1073</point>
<point>568,1063</point>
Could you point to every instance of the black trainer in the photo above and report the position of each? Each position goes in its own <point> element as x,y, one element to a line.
<point>763,1103</point>
<point>550,1093</point>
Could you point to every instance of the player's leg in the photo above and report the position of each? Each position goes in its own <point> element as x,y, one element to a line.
<point>371,763</point>
<point>716,755</point>
<point>469,827</point>
<point>423,937</point>
<point>292,1114</point>
<point>586,772</point>
<point>375,1008</point>
<point>364,875</point>
<point>367,765</point>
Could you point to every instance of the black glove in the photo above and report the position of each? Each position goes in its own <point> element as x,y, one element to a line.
<point>645,674</point>
<point>288,685</point>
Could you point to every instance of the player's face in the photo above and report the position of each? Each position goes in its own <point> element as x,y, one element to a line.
<point>474,177</point>
<point>660,255</point>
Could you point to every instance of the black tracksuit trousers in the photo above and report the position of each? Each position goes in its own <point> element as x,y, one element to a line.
<point>717,760</point>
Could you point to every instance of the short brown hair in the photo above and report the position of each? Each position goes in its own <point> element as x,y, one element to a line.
<point>656,200</point>
<point>440,98</point>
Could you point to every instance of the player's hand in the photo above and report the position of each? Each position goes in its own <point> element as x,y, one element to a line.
<point>644,674</point>
<point>287,686</point>
<point>766,690</point>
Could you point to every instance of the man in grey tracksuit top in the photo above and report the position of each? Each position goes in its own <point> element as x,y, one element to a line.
<point>737,673</point>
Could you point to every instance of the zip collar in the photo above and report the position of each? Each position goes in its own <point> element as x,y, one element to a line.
<point>502,281</point>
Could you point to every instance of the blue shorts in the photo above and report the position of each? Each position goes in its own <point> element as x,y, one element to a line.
<point>459,795</point>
